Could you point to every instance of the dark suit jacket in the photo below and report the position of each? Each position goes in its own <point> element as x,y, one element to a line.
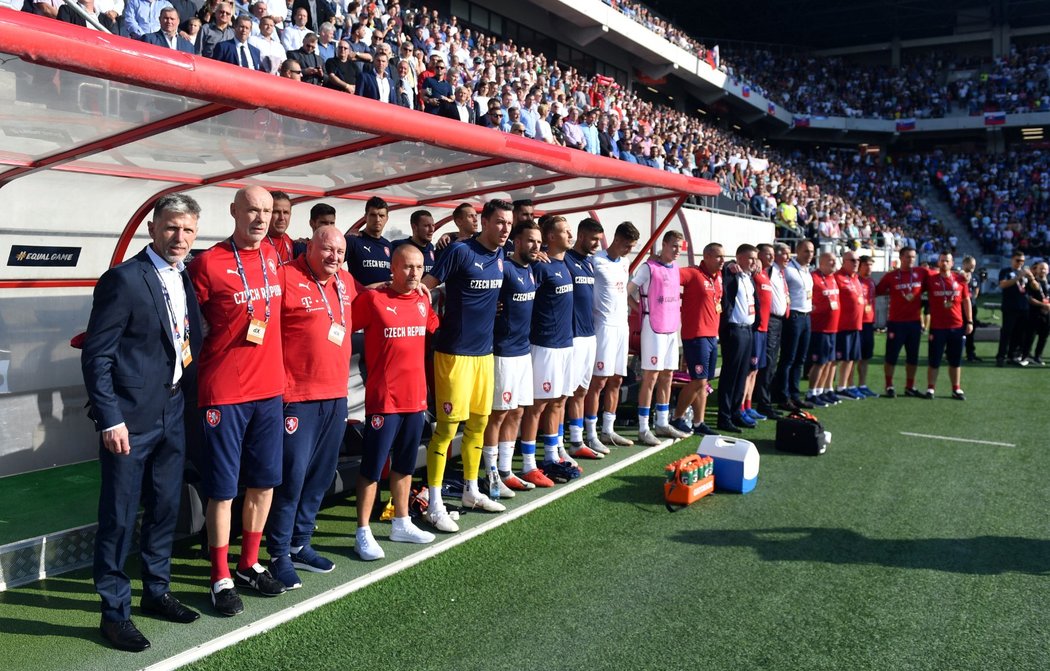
<point>229,52</point>
<point>128,355</point>
<point>158,39</point>
<point>450,111</point>
<point>67,15</point>
<point>324,13</point>
<point>368,86</point>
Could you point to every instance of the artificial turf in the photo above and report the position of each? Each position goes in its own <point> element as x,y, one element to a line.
<point>889,550</point>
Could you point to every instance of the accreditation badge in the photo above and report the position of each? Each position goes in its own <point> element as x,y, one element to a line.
<point>834,305</point>
<point>336,334</point>
<point>187,357</point>
<point>718,308</point>
<point>256,332</point>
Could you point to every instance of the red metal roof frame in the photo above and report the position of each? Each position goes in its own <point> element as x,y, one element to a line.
<point>55,44</point>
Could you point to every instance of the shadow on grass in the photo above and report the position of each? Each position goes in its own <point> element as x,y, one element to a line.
<point>644,492</point>
<point>10,625</point>
<point>983,555</point>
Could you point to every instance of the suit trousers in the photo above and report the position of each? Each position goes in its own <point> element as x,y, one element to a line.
<point>762,396</point>
<point>794,347</point>
<point>152,473</point>
<point>736,361</point>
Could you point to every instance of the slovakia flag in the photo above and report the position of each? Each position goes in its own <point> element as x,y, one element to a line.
<point>994,118</point>
<point>905,125</point>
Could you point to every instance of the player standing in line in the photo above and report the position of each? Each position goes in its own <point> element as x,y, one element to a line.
<point>612,334</point>
<point>552,369</point>
<point>655,290</point>
<point>472,273</point>
<point>589,236</point>
<point>512,358</point>
<point>368,254</point>
<point>867,328</point>
<point>825,323</point>
<point>701,310</point>
<point>851,319</point>
<point>238,285</point>
<point>760,330</point>
<point>422,223</point>
<point>396,321</point>
<point>277,233</point>
<point>315,325</point>
<point>951,321</point>
<point>904,328</point>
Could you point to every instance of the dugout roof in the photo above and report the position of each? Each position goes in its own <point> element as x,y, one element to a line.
<point>97,127</point>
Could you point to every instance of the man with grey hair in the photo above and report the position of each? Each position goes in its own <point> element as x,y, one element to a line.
<point>219,29</point>
<point>143,335</point>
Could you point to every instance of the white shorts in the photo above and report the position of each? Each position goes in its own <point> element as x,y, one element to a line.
<point>513,388</point>
<point>659,350</point>
<point>610,357</point>
<point>583,350</point>
<point>552,372</point>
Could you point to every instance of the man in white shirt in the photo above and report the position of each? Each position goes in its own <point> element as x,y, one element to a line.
<point>794,343</point>
<point>270,48</point>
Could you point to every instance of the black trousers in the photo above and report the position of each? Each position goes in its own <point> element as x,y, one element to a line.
<point>1012,335</point>
<point>762,396</point>
<point>736,362</point>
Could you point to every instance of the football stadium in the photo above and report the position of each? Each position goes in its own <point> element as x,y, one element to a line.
<point>562,334</point>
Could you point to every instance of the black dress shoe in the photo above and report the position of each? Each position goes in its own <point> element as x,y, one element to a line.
<point>123,635</point>
<point>169,608</point>
<point>788,406</point>
<point>804,404</point>
<point>770,412</point>
<point>729,427</point>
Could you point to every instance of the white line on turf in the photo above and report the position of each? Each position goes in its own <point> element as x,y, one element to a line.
<point>957,440</point>
<point>271,621</point>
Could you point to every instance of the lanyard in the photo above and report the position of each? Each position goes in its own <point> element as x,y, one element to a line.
<point>338,293</point>
<point>244,279</point>
<point>171,310</point>
<point>284,245</point>
<point>944,287</point>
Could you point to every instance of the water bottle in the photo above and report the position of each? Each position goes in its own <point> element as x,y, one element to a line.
<point>494,483</point>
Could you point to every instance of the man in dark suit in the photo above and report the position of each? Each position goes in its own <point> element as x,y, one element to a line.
<point>463,108</point>
<point>143,335</point>
<point>375,81</point>
<point>237,51</point>
<point>68,15</point>
<point>168,35</point>
<point>317,12</point>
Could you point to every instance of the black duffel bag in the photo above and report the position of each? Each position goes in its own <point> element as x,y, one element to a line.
<point>801,433</point>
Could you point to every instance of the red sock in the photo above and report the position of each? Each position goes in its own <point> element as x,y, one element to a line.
<point>220,563</point>
<point>249,549</point>
<point>955,387</point>
<point>747,404</point>
<point>889,380</point>
<point>911,383</point>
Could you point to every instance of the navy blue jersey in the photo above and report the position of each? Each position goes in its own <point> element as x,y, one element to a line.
<point>514,320</point>
<point>552,312</point>
<point>1015,296</point>
<point>427,251</point>
<point>368,258</point>
<point>582,271</point>
<point>472,276</point>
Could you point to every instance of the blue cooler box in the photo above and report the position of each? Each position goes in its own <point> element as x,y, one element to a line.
<point>736,462</point>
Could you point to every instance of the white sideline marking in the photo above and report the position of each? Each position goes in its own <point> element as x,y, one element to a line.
<point>958,440</point>
<point>269,622</point>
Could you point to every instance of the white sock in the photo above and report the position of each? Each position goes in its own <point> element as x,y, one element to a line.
<point>506,456</point>
<point>575,432</point>
<point>528,456</point>
<point>608,422</point>
<point>590,427</point>
<point>662,411</point>
<point>435,502</point>
<point>550,449</point>
<point>489,454</point>
<point>643,420</point>
<point>472,487</point>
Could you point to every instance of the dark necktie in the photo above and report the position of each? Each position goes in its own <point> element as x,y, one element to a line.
<point>245,61</point>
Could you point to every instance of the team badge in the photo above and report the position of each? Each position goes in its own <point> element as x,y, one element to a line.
<point>213,417</point>
<point>890,335</point>
<point>815,357</point>
<point>546,386</point>
<point>507,396</point>
<point>272,266</point>
<point>291,425</point>
<point>499,264</point>
<point>653,360</point>
<point>754,361</point>
<point>600,365</point>
<point>698,369</point>
<point>422,307</point>
<point>447,407</point>
<point>377,422</point>
<point>387,250</point>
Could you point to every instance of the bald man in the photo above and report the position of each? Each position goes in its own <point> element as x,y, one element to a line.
<point>241,382</point>
<point>851,320</point>
<point>396,321</point>
<point>827,307</point>
<point>315,325</point>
